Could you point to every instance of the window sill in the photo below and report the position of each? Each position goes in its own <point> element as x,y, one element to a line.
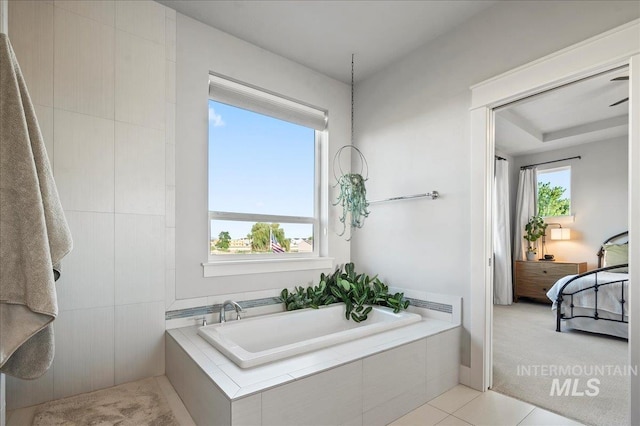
<point>246,267</point>
<point>562,220</point>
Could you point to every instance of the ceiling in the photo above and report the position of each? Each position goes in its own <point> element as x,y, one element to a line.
<point>322,35</point>
<point>571,115</point>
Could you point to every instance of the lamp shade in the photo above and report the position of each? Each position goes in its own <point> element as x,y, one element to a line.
<point>561,234</point>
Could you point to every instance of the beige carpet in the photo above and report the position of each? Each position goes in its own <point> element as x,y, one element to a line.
<point>130,404</point>
<point>524,336</point>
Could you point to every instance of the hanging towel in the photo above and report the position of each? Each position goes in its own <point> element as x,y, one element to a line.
<point>34,236</point>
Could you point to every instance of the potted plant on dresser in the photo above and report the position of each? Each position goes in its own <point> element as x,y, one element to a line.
<point>534,229</point>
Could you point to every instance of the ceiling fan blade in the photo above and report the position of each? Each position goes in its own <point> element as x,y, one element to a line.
<point>619,102</point>
<point>624,77</point>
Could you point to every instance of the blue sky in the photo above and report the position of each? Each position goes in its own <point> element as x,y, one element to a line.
<point>258,164</point>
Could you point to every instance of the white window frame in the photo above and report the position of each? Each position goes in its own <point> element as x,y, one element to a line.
<point>238,264</point>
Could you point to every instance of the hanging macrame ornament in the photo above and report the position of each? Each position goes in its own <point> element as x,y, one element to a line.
<point>352,196</point>
<point>353,193</point>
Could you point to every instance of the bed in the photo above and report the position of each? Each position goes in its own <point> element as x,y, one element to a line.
<point>596,301</point>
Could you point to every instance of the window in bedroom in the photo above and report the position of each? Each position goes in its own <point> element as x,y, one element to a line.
<point>263,196</point>
<point>554,191</point>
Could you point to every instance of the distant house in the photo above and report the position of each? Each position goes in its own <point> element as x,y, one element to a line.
<point>305,246</point>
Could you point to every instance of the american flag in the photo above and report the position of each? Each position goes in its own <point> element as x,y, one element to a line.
<point>275,246</point>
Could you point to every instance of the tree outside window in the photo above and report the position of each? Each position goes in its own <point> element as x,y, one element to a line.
<point>554,192</point>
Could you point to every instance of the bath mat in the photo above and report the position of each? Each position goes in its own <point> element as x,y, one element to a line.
<point>130,404</point>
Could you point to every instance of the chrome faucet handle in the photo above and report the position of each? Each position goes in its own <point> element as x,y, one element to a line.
<point>203,321</point>
<point>238,310</point>
<point>236,306</point>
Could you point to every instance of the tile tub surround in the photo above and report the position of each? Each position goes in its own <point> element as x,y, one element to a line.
<point>192,311</point>
<point>373,380</point>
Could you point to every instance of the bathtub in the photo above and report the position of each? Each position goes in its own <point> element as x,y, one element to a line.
<point>255,341</point>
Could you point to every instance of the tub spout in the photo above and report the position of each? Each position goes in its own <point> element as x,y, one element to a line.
<point>237,307</point>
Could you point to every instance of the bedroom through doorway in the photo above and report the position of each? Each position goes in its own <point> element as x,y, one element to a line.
<point>562,156</point>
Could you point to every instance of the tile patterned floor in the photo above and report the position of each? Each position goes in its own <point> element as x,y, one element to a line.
<point>463,406</point>
<point>460,406</point>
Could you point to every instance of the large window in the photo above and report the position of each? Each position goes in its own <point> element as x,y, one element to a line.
<point>554,192</point>
<point>263,174</point>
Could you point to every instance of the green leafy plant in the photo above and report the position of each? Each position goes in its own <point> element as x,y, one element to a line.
<point>357,291</point>
<point>534,229</point>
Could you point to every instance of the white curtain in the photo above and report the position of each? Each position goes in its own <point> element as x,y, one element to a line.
<point>502,288</point>
<point>525,208</point>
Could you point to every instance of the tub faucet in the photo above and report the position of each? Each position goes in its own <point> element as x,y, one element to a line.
<point>237,307</point>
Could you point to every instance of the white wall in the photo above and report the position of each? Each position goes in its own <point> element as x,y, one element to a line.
<point>101,75</point>
<point>412,124</point>
<point>599,196</point>
<point>202,49</point>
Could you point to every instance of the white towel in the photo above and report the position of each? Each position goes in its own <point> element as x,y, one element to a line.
<point>34,236</point>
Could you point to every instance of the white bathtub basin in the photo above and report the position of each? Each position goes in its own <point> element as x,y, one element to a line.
<point>259,340</point>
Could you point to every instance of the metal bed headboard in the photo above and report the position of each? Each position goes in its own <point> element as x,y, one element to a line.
<point>569,312</point>
<point>624,236</point>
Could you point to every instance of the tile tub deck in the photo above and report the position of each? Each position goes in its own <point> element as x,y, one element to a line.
<point>373,380</point>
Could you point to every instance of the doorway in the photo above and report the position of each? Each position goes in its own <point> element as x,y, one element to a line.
<point>575,146</point>
<point>615,48</point>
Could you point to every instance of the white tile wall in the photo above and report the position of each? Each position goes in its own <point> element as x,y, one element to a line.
<point>139,258</point>
<point>170,206</point>
<point>170,13</point>
<point>170,286</point>
<point>441,383</point>
<point>87,279</point>
<point>170,169</point>
<point>170,34</point>
<point>170,245</point>
<point>387,411</point>
<point>443,356</point>
<point>84,356</point>
<point>139,341</point>
<point>170,132</point>
<point>140,81</point>
<point>139,169</point>
<point>170,89</point>
<point>98,10</point>
<point>145,19</point>
<point>45,121</point>
<point>31,24</point>
<point>170,155</point>
<point>205,402</point>
<point>83,159</point>
<point>83,65</point>
<point>309,398</point>
<point>23,393</point>
<point>383,368</point>
<point>247,411</point>
<point>114,280</point>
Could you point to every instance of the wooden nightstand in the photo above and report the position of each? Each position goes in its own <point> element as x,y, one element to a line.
<point>534,278</point>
